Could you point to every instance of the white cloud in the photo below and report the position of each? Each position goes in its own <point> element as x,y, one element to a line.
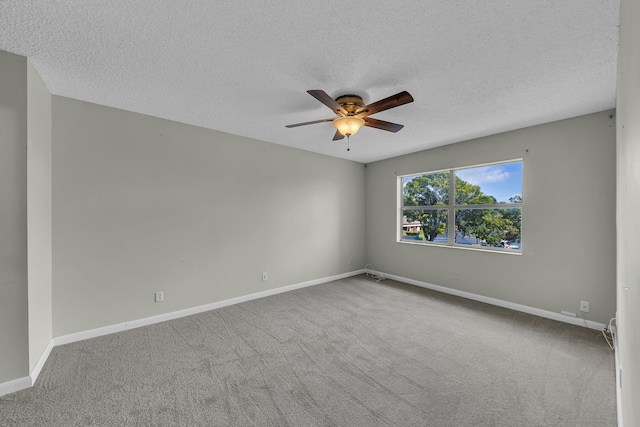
<point>484,175</point>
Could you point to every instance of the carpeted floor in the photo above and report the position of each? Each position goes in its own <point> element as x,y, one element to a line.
<point>347,353</point>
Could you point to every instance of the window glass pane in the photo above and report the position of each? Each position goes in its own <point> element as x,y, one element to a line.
<point>489,185</point>
<point>426,190</point>
<point>489,227</point>
<point>425,225</point>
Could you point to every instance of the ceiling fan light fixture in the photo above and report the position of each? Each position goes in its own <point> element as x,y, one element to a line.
<point>348,126</point>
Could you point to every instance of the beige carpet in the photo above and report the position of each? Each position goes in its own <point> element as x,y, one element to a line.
<point>346,353</point>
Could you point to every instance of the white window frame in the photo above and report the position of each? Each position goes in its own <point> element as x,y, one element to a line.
<point>451,209</point>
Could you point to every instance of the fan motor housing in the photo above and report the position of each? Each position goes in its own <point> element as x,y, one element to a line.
<point>350,102</point>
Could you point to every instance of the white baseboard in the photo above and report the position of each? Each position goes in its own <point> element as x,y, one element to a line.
<point>93,333</point>
<point>500,303</point>
<point>618,379</point>
<point>41,362</point>
<point>26,382</point>
<point>15,385</point>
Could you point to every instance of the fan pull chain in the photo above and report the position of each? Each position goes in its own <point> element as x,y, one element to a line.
<point>348,148</point>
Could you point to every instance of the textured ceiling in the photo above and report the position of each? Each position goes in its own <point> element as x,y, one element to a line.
<point>474,68</point>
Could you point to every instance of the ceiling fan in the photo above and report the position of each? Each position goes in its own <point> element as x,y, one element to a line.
<point>353,114</point>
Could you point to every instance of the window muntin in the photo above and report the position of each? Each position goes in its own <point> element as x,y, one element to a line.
<point>484,206</point>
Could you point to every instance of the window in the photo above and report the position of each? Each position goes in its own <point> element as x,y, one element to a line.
<point>477,207</point>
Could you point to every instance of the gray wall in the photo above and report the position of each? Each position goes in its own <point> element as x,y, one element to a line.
<point>142,204</point>
<point>628,167</point>
<point>14,346</point>
<point>38,215</point>
<point>568,219</point>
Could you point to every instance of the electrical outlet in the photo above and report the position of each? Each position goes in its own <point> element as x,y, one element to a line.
<point>159,296</point>
<point>584,306</point>
<point>456,275</point>
<point>265,276</point>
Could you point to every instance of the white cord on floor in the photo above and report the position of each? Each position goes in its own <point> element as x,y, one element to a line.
<point>610,340</point>
<point>370,272</point>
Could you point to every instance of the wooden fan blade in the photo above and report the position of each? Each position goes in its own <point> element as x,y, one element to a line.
<point>309,123</point>
<point>322,96</point>
<point>338,136</point>
<point>384,104</point>
<point>381,124</point>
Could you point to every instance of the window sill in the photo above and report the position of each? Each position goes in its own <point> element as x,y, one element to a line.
<point>464,248</point>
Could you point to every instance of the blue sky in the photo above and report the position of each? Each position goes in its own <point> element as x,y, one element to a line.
<point>500,181</point>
